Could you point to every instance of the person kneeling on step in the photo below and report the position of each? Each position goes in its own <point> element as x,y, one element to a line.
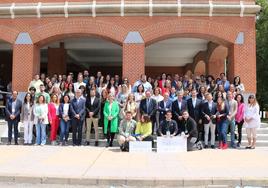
<point>126,131</point>
<point>190,131</point>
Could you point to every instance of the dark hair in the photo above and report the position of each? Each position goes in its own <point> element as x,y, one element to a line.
<point>242,98</point>
<point>146,118</point>
<point>168,111</point>
<point>62,98</point>
<point>139,86</point>
<point>239,80</point>
<point>31,98</point>
<point>32,88</point>
<point>128,112</point>
<point>40,97</point>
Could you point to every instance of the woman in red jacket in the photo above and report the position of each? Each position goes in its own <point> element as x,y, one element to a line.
<point>53,112</point>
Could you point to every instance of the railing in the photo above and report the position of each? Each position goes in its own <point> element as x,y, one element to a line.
<point>128,8</point>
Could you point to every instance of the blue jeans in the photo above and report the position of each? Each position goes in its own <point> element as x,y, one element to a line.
<point>64,130</point>
<point>232,129</point>
<point>40,133</point>
<point>222,130</point>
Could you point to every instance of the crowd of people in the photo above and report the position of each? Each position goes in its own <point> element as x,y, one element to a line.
<point>201,108</point>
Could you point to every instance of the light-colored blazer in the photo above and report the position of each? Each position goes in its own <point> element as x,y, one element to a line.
<point>27,114</point>
<point>125,129</point>
<point>40,111</point>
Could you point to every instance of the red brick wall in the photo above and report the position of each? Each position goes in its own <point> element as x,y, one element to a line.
<point>57,58</point>
<point>222,30</point>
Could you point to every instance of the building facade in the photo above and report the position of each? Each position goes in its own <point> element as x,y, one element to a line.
<point>227,26</point>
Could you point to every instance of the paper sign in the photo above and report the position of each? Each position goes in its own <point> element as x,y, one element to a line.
<point>140,146</point>
<point>171,144</point>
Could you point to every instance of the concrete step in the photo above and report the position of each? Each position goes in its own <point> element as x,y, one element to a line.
<point>259,131</point>
<point>259,143</point>
<point>259,136</point>
<point>102,142</point>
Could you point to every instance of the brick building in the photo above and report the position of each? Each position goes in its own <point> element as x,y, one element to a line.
<point>128,37</point>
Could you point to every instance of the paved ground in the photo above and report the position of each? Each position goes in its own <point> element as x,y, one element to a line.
<point>102,166</point>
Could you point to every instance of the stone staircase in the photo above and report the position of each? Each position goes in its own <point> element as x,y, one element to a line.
<point>262,136</point>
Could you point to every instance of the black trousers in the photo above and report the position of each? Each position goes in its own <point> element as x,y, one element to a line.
<point>239,126</point>
<point>77,126</point>
<point>13,124</point>
<point>109,136</point>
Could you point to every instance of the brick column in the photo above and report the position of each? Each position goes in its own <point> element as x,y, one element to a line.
<point>26,62</point>
<point>133,56</point>
<point>242,61</point>
<point>57,60</point>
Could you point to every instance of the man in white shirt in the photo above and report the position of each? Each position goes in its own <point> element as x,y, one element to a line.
<point>80,82</point>
<point>36,82</point>
<point>143,80</point>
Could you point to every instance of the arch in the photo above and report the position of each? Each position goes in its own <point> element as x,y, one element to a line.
<point>77,27</point>
<point>215,60</point>
<point>191,28</point>
<point>8,34</point>
<point>200,68</point>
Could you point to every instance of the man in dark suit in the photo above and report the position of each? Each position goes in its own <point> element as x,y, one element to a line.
<point>92,108</point>
<point>13,109</point>
<point>190,131</point>
<point>149,106</point>
<point>194,105</point>
<point>208,112</point>
<point>164,106</point>
<point>178,106</point>
<point>78,111</point>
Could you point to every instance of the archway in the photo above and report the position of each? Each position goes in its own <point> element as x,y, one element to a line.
<point>79,54</point>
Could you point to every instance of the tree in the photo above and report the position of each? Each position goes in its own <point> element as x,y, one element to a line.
<point>262,55</point>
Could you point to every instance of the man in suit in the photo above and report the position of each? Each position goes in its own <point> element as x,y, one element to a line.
<point>178,106</point>
<point>208,112</point>
<point>164,106</point>
<point>78,111</point>
<point>13,109</point>
<point>194,108</point>
<point>92,108</point>
<point>149,106</point>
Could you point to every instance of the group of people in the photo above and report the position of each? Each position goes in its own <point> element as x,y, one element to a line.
<point>200,108</point>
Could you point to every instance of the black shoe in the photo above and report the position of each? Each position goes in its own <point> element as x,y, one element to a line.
<point>206,146</point>
<point>107,145</point>
<point>248,147</point>
<point>16,143</point>
<point>212,147</point>
<point>111,144</point>
<point>96,143</point>
<point>9,143</point>
<point>238,145</point>
<point>87,143</point>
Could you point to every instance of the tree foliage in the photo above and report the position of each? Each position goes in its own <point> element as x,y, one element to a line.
<point>262,54</point>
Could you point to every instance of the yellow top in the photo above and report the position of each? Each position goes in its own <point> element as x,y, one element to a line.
<point>144,129</point>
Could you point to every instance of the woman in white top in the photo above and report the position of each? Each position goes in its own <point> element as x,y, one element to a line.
<point>65,119</point>
<point>238,85</point>
<point>139,95</point>
<point>130,106</point>
<point>157,95</point>
<point>27,118</point>
<point>252,121</point>
<point>41,120</point>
